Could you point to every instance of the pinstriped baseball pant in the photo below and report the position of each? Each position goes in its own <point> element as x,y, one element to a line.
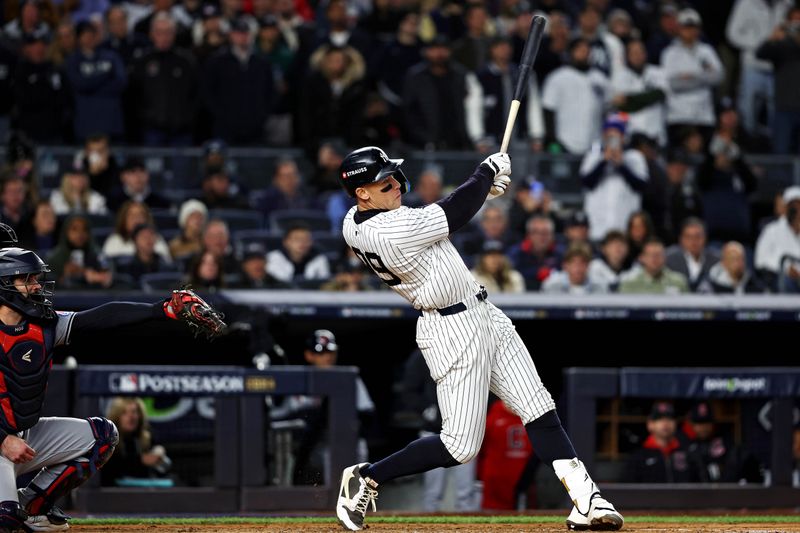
<point>469,354</point>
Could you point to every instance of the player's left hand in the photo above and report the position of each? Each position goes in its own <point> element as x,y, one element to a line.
<point>499,187</point>
<point>500,164</point>
<point>187,306</point>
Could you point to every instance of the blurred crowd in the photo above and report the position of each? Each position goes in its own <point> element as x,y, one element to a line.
<point>662,100</point>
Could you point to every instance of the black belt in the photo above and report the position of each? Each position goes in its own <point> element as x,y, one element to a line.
<point>460,306</point>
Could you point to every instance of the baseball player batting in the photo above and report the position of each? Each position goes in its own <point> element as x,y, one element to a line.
<point>64,451</point>
<point>469,345</point>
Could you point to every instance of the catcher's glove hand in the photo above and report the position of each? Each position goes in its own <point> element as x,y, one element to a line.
<point>185,305</point>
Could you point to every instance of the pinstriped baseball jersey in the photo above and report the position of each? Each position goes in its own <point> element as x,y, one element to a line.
<point>409,250</point>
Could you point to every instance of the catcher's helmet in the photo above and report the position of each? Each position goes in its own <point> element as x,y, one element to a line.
<point>369,165</point>
<point>16,262</point>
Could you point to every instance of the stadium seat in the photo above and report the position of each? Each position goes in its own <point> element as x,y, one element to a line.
<point>160,281</point>
<point>316,220</point>
<point>265,237</point>
<point>165,219</point>
<point>238,219</point>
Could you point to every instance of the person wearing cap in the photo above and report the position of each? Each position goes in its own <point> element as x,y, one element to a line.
<point>145,260</point>
<point>750,24</point>
<point>253,266</point>
<point>607,50</point>
<point>573,278</point>
<point>662,458</point>
<point>778,240</point>
<point>192,217</point>
<point>41,98</point>
<point>98,78</point>
<point>782,50</point>
<point>135,185</point>
<point>719,458</point>
<point>640,89</point>
<point>683,197</point>
<point>576,229</point>
<point>441,100</point>
<point>218,192</point>
<point>692,69</point>
<point>164,81</point>
<point>321,352</point>
<point>573,99</point>
<point>350,274</point>
<point>494,270</point>
<point>609,267</point>
<point>497,79</point>
<point>75,196</point>
<point>238,87</point>
<point>210,34</point>
<point>613,179</point>
<point>691,257</point>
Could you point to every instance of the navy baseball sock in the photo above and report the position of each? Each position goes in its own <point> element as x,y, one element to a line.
<point>548,438</point>
<point>421,455</point>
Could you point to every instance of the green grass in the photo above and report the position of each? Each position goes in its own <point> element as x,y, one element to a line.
<point>482,519</point>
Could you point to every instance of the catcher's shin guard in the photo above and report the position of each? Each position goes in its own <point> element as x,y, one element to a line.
<point>12,516</point>
<point>64,477</point>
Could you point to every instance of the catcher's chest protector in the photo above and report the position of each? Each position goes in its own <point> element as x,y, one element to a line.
<point>25,362</point>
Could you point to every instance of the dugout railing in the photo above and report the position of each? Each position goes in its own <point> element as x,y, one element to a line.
<point>584,387</point>
<point>240,452</point>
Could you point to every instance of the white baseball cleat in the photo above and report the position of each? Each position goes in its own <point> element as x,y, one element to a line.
<point>602,516</point>
<point>54,520</point>
<point>356,493</point>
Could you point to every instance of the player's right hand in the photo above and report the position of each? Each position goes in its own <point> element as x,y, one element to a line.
<point>499,187</point>
<point>16,450</point>
<point>500,164</point>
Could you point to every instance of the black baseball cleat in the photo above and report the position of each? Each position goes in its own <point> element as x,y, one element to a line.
<point>356,493</point>
<point>54,520</point>
<point>601,516</point>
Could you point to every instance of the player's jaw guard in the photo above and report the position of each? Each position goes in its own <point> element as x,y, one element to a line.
<point>370,165</point>
<point>15,262</point>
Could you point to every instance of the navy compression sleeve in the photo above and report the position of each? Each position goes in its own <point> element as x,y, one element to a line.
<point>461,205</point>
<point>115,314</point>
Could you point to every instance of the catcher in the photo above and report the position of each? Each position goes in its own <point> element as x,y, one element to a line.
<point>64,451</point>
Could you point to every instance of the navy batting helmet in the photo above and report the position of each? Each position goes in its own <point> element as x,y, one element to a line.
<point>370,165</point>
<point>16,262</point>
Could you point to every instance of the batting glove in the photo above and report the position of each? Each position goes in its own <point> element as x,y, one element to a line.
<point>500,164</point>
<point>499,187</point>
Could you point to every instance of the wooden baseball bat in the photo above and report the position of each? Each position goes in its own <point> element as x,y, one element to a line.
<point>535,35</point>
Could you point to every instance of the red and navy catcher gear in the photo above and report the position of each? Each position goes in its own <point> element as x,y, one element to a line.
<point>370,165</point>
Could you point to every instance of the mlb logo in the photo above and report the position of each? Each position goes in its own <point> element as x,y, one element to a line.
<point>124,382</point>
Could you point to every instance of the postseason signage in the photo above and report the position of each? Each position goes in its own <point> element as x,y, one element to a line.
<point>187,381</point>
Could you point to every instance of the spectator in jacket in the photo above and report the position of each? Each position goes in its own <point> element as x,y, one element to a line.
<point>472,49</point>
<point>217,240</point>
<point>164,81</point>
<point>238,88</point>
<point>607,51</point>
<point>683,196</point>
<point>145,260</point>
<point>640,90</point>
<point>74,196</point>
<point>777,257</point>
<point>613,178</point>
<point>76,262</point>
<point>576,229</point>
<point>498,79</point>
<point>607,269</point>
<point>43,234</point>
<point>639,230</point>
<point>530,198</point>
<point>428,188</point>
<point>654,277</point>
<point>135,185</point>
<point>573,278</point>
<point>338,30</point>
<point>693,69</point>
<point>206,272</point>
<point>253,274</point>
<point>691,257</point>
<point>64,42</point>
<point>41,96</point>
<point>219,193</point>
<point>128,44</point>
<point>493,226</point>
<point>334,96</point>
<point>286,191</point>
<point>297,260</point>
<point>537,256</point>
<point>98,78</point>
<point>782,49</point>
<point>14,210</point>
<point>437,97</point>
<point>718,458</point>
<point>495,272</point>
<point>192,218</point>
<point>573,99</point>
<point>99,163</point>
<point>726,180</point>
<point>731,274</point>
<point>662,458</point>
<point>665,33</point>
<point>29,20</point>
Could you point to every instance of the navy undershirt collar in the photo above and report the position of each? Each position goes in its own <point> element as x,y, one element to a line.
<point>366,214</point>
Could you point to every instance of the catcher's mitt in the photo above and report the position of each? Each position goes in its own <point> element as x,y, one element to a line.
<point>185,305</point>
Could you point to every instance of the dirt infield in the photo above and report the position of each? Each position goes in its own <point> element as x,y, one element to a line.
<point>548,527</point>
